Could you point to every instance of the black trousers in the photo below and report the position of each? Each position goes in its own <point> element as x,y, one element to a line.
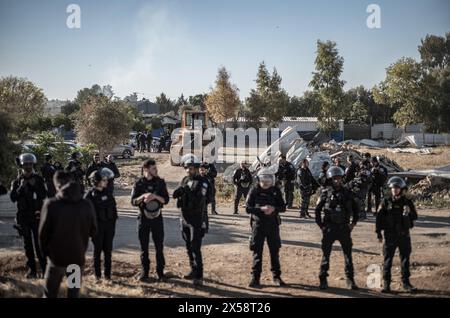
<point>31,244</point>
<point>103,242</point>
<point>156,228</point>
<point>52,281</point>
<point>213,199</point>
<point>192,236</point>
<point>260,233</point>
<point>341,233</point>
<point>240,192</point>
<point>392,241</point>
<point>306,196</point>
<point>375,191</point>
<point>289,193</point>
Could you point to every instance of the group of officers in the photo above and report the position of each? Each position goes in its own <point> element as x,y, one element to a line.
<point>57,230</point>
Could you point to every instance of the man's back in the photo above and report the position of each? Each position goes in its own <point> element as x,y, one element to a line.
<point>67,222</point>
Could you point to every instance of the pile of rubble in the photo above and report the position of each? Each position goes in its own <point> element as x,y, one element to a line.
<point>431,188</point>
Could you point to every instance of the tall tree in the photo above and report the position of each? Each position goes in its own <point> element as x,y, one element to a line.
<point>21,101</point>
<point>165,104</point>
<point>327,83</point>
<point>198,101</point>
<point>269,99</point>
<point>103,122</point>
<point>223,101</point>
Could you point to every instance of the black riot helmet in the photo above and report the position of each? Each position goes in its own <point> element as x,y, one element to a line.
<point>335,171</point>
<point>106,173</point>
<point>26,158</point>
<point>396,182</point>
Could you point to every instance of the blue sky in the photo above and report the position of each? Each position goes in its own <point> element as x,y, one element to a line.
<point>177,46</point>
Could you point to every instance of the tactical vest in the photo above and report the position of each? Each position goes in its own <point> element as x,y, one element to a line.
<point>335,209</point>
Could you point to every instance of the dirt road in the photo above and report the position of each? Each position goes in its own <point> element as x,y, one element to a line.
<point>227,258</point>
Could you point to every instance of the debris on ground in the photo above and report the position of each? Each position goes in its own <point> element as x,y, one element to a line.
<point>419,151</point>
<point>431,188</point>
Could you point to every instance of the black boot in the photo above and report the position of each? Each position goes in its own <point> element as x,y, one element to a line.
<point>323,283</point>
<point>254,283</point>
<point>161,276</point>
<point>190,275</point>
<point>386,287</point>
<point>143,276</point>
<point>351,284</point>
<point>408,287</point>
<point>278,281</point>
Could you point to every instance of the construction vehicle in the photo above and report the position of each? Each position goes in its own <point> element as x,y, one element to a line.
<point>193,125</point>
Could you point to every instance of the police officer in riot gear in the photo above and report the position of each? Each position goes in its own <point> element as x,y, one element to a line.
<point>192,195</point>
<point>360,186</point>
<point>106,212</point>
<point>150,195</point>
<point>337,204</point>
<point>95,165</point>
<point>75,168</point>
<point>29,192</point>
<point>211,174</point>
<point>350,171</point>
<point>307,185</point>
<point>264,203</point>
<point>203,171</point>
<point>48,170</point>
<point>396,217</point>
<point>286,177</point>
<point>109,163</point>
<point>323,180</point>
<point>242,180</point>
<point>379,177</point>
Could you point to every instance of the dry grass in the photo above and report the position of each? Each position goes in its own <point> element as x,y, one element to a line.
<point>439,158</point>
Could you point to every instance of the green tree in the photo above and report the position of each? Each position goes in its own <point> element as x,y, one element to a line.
<point>404,90</point>
<point>327,84</point>
<point>22,101</point>
<point>165,104</point>
<point>307,105</point>
<point>103,122</point>
<point>223,101</point>
<point>269,99</point>
<point>8,150</point>
<point>198,101</point>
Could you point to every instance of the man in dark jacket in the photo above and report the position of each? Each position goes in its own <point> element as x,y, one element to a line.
<point>111,165</point>
<point>95,165</point>
<point>337,204</point>
<point>48,171</point>
<point>264,203</point>
<point>351,170</point>
<point>28,192</point>
<point>143,142</point>
<point>67,223</point>
<point>379,177</point>
<point>396,217</point>
<point>192,197</point>
<point>242,180</point>
<point>150,195</point>
<point>106,212</point>
<point>308,186</point>
<point>75,168</point>
<point>211,174</point>
<point>285,177</point>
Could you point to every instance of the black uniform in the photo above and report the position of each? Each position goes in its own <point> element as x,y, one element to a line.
<point>242,179</point>
<point>143,142</point>
<point>93,166</point>
<point>29,194</point>
<point>150,222</point>
<point>211,176</point>
<point>106,212</point>
<point>337,205</point>
<point>192,195</point>
<point>379,177</point>
<point>360,186</point>
<point>350,172</point>
<point>75,168</point>
<point>48,171</point>
<point>286,176</point>
<point>396,218</point>
<point>323,180</point>
<point>113,167</point>
<point>307,185</point>
<point>265,227</point>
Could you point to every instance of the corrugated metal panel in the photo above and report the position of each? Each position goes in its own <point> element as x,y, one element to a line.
<point>385,131</point>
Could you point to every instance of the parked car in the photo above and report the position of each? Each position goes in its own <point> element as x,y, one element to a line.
<point>124,151</point>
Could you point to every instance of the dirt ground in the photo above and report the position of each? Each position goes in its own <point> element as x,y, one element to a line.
<point>227,259</point>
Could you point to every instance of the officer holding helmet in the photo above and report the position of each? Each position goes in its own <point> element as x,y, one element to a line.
<point>396,217</point>
<point>264,203</point>
<point>75,168</point>
<point>150,195</point>
<point>106,212</point>
<point>192,195</point>
<point>337,204</point>
<point>28,192</point>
